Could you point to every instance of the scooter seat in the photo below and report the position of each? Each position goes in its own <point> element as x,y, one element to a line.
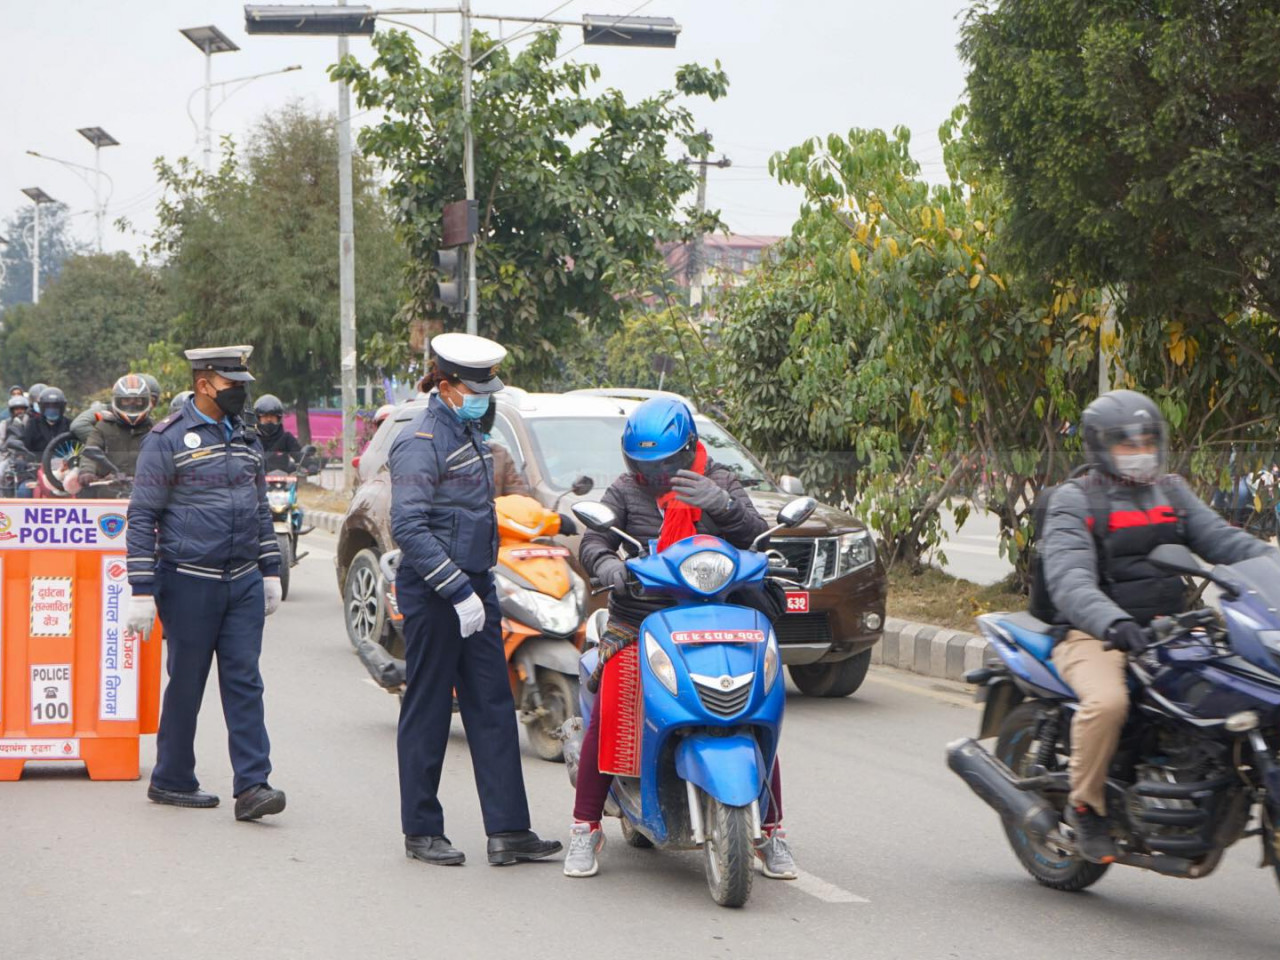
<point>1031,634</point>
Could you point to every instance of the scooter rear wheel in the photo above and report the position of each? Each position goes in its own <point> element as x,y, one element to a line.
<point>1017,748</point>
<point>634,837</point>
<point>729,853</point>
<point>560,701</point>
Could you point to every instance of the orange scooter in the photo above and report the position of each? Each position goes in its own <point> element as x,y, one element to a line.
<point>543,605</point>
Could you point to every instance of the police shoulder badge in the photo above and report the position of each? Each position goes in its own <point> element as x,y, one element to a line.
<point>191,440</point>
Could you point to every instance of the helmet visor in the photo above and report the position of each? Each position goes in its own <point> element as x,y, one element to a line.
<point>1138,434</point>
<point>132,406</point>
<point>658,473</point>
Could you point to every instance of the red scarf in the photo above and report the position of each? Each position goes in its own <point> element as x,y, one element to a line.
<point>679,520</point>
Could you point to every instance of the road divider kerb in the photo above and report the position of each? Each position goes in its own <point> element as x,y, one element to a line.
<point>325,520</point>
<point>929,650</point>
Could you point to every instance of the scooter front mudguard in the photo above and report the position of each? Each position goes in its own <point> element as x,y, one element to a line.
<point>731,769</point>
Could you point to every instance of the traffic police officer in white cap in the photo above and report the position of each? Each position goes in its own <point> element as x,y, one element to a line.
<point>443,520</point>
<point>202,549</point>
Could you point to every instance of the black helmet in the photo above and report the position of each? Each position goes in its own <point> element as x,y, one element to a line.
<point>268,404</point>
<point>179,401</point>
<point>53,401</point>
<point>131,399</point>
<point>1126,416</point>
<point>153,387</point>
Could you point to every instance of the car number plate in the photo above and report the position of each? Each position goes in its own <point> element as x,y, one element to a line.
<point>797,601</point>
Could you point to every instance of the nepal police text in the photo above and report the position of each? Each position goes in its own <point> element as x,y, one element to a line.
<point>57,525</point>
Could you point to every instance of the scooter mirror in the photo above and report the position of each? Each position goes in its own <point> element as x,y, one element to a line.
<point>1175,558</point>
<point>582,486</point>
<point>797,511</point>
<point>596,516</point>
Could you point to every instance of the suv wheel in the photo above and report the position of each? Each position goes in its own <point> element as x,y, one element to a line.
<point>363,609</point>
<point>838,679</point>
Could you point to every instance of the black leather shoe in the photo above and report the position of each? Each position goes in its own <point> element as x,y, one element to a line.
<point>437,850</point>
<point>182,798</point>
<point>259,801</point>
<point>520,846</point>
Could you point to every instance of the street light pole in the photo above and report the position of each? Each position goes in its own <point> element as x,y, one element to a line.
<point>208,107</point>
<point>209,40</point>
<point>346,277</point>
<point>469,162</point>
<point>39,198</point>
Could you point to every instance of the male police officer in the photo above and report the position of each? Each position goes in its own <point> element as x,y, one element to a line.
<point>443,519</point>
<point>202,549</point>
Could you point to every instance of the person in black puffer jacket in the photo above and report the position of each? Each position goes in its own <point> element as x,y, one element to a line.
<point>1104,589</point>
<point>672,490</point>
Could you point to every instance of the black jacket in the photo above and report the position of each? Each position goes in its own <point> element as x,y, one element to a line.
<point>1142,517</point>
<point>283,450</point>
<point>40,431</point>
<point>637,510</point>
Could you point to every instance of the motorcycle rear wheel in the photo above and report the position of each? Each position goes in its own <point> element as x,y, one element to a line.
<point>729,853</point>
<point>1016,748</point>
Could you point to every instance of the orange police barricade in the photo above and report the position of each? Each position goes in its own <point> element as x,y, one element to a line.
<point>72,685</point>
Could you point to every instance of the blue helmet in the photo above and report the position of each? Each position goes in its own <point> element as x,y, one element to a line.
<point>660,438</point>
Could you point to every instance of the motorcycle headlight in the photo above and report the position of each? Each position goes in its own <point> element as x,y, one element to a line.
<point>549,615</point>
<point>856,551</point>
<point>278,499</point>
<point>660,664</point>
<point>707,571</point>
<point>771,661</point>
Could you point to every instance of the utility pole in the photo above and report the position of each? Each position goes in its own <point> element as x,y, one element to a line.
<point>346,277</point>
<point>39,198</point>
<point>695,266</point>
<point>469,162</point>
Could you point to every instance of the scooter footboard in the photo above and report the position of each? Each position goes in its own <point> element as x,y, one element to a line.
<point>731,769</point>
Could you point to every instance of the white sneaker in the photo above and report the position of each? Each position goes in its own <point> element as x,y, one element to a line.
<point>584,844</point>
<point>775,856</point>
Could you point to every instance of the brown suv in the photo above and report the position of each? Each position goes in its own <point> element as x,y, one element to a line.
<point>560,441</point>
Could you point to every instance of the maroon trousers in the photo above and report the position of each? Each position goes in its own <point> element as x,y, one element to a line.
<point>593,786</point>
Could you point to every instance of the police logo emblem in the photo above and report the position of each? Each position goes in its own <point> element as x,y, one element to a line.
<point>191,440</point>
<point>111,524</point>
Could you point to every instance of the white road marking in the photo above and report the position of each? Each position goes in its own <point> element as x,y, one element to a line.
<point>820,889</point>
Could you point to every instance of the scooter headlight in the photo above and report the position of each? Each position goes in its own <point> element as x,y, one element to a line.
<point>771,661</point>
<point>707,571</point>
<point>559,617</point>
<point>278,500</point>
<point>660,664</point>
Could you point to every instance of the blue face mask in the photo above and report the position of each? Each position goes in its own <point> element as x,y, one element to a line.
<point>52,415</point>
<point>474,406</point>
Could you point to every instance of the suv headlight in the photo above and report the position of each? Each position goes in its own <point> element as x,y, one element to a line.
<point>660,664</point>
<point>278,499</point>
<point>707,571</point>
<point>856,551</point>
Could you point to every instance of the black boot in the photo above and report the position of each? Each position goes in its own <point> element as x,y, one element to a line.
<point>437,850</point>
<point>1093,834</point>
<point>519,846</point>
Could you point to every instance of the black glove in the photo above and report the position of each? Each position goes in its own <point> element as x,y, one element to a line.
<point>700,491</point>
<point>1126,635</point>
<point>612,573</point>
<point>568,525</point>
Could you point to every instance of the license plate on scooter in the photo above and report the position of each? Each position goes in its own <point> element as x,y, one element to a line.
<point>797,601</point>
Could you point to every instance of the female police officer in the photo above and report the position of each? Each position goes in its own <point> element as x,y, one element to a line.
<point>443,520</point>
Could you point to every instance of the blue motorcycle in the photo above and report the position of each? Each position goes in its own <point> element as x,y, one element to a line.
<point>712,701</point>
<point>1198,754</point>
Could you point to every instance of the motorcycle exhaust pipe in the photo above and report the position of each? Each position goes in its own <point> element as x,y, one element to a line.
<point>995,783</point>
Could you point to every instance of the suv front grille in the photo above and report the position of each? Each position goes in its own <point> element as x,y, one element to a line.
<point>803,628</point>
<point>799,554</point>
<point>815,557</point>
<point>724,703</point>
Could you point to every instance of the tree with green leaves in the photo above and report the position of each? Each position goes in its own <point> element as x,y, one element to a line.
<point>251,254</point>
<point>84,333</point>
<point>1139,145</point>
<point>575,187</point>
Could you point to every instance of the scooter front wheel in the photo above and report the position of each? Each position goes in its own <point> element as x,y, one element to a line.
<point>559,695</point>
<point>729,852</point>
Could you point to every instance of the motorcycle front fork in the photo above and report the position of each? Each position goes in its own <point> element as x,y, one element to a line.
<point>1264,762</point>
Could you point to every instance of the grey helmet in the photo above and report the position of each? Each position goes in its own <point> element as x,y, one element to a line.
<point>1125,415</point>
<point>34,395</point>
<point>179,401</point>
<point>153,387</point>
<point>18,402</point>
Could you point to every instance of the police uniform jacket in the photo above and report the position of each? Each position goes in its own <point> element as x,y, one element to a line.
<point>442,514</point>
<point>199,503</point>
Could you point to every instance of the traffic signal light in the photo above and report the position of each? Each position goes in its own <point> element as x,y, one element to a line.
<point>449,288</point>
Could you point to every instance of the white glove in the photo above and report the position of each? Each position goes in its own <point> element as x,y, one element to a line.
<point>271,592</point>
<point>470,615</point>
<point>71,482</point>
<point>141,616</point>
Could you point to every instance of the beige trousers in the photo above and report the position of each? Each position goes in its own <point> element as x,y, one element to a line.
<point>1098,678</point>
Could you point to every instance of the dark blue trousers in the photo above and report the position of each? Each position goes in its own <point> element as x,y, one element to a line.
<point>439,661</point>
<point>204,618</point>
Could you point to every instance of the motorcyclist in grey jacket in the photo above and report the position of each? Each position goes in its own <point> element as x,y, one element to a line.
<point>1104,589</point>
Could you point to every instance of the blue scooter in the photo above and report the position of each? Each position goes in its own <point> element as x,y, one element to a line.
<point>712,701</point>
<point>1200,752</point>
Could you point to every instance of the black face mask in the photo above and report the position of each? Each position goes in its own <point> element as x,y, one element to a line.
<point>269,430</point>
<point>231,401</point>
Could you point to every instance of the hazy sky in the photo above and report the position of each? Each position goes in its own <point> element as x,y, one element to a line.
<point>797,68</point>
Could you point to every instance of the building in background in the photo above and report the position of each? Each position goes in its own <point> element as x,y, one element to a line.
<point>726,260</point>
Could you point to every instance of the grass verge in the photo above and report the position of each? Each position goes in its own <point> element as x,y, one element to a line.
<point>314,497</point>
<point>932,596</point>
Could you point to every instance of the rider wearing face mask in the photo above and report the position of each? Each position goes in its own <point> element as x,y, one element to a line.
<point>1098,531</point>
<point>49,423</point>
<point>281,447</point>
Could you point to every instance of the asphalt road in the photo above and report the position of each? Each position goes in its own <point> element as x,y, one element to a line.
<point>901,860</point>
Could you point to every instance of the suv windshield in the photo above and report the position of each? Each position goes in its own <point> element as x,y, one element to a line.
<point>569,447</point>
